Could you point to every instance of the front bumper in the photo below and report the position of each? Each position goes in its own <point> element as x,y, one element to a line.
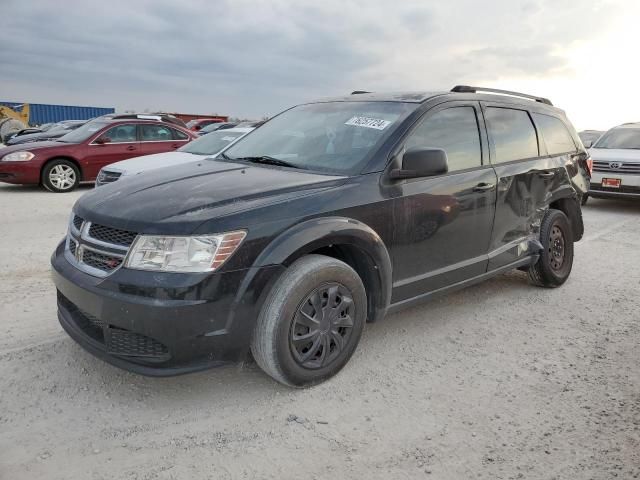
<point>161,324</point>
<point>629,186</point>
<point>20,172</point>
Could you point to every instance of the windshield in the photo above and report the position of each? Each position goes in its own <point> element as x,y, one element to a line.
<point>625,138</point>
<point>334,137</point>
<point>211,143</point>
<point>82,133</point>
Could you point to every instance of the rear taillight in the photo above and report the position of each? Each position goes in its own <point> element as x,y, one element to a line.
<point>590,166</point>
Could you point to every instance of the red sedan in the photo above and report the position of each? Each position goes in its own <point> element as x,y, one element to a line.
<point>78,156</point>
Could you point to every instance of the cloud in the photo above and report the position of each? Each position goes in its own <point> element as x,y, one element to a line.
<point>252,58</point>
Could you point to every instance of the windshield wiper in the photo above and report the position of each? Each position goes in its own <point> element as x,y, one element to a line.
<point>267,160</point>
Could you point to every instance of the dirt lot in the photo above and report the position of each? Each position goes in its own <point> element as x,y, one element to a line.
<point>499,381</point>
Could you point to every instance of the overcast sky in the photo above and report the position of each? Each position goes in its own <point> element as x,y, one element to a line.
<point>253,58</point>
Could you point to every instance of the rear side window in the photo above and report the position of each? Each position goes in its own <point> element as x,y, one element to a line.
<point>555,134</point>
<point>513,134</point>
<point>155,133</point>
<point>178,135</point>
<point>454,130</point>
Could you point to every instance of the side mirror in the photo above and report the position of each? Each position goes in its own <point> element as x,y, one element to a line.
<point>588,144</point>
<point>422,162</point>
<point>102,140</point>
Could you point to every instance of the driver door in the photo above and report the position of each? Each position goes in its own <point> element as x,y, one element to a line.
<point>121,143</point>
<point>443,223</point>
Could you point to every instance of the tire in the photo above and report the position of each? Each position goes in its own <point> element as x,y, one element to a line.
<point>60,176</point>
<point>584,199</point>
<point>556,260</point>
<point>284,344</point>
<point>9,126</point>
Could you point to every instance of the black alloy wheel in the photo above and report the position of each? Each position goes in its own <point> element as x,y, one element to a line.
<point>322,326</point>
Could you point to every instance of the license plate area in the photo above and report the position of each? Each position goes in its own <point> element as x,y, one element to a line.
<point>611,182</point>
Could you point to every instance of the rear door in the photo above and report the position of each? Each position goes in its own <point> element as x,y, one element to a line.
<point>443,223</point>
<point>122,143</point>
<point>525,178</point>
<point>155,138</point>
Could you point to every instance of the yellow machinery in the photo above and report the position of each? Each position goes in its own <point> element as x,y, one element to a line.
<point>23,115</point>
<point>12,121</point>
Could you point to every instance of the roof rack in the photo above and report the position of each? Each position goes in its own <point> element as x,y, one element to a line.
<point>359,92</point>
<point>468,89</point>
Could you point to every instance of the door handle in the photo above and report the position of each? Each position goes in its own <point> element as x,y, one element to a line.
<point>483,187</point>
<point>546,174</point>
<point>131,147</point>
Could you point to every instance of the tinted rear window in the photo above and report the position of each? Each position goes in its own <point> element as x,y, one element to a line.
<point>555,134</point>
<point>513,134</point>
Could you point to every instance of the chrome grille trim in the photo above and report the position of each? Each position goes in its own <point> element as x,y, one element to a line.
<point>625,167</point>
<point>79,241</point>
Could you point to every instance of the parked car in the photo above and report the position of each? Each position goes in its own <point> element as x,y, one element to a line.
<point>329,215</point>
<point>616,163</point>
<point>589,137</point>
<point>78,156</point>
<point>215,127</point>
<point>199,123</point>
<point>207,146</point>
<point>30,130</point>
<point>56,131</point>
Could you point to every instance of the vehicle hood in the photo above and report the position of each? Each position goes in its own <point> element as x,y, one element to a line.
<point>611,154</point>
<point>178,199</point>
<point>137,165</point>
<point>31,146</point>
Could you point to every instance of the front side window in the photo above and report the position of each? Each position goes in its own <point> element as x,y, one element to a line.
<point>556,136</point>
<point>625,138</point>
<point>454,130</point>
<point>121,134</point>
<point>513,134</point>
<point>334,137</point>
<point>155,133</point>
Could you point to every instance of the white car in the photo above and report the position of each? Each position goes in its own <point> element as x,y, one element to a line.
<point>208,145</point>
<point>616,163</point>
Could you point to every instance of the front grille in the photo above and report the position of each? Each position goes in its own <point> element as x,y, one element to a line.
<point>116,340</point>
<point>103,262</point>
<point>72,247</point>
<point>623,167</point>
<point>107,177</point>
<point>112,235</point>
<point>125,342</point>
<point>77,222</point>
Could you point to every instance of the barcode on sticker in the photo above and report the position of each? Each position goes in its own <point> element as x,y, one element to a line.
<point>368,122</point>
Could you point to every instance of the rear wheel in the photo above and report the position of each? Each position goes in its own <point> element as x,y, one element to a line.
<point>60,176</point>
<point>311,321</point>
<point>556,259</point>
<point>584,199</point>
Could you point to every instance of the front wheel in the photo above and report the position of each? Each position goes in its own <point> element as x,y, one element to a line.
<point>311,321</point>
<point>556,259</point>
<point>60,176</point>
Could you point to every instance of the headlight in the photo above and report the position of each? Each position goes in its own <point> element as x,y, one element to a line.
<point>18,157</point>
<point>183,254</point>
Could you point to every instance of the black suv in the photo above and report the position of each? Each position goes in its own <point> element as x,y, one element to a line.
<point>330,215</point>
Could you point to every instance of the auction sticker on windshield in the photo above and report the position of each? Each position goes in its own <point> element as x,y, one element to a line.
<point>368,122</point>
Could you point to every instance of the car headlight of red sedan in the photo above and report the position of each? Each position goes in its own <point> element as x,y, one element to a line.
<point>18,157</point>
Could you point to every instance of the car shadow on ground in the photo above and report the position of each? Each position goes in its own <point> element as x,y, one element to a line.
<point>626,205</point>
<point>430,319</point>
<point>7,188</point>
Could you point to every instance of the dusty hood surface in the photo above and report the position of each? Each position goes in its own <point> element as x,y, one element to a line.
<point>178,199</point>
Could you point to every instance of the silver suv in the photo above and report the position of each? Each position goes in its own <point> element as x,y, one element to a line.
<point>616,163</point>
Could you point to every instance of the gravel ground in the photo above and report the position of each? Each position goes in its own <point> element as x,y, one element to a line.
<point>499,381</point>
